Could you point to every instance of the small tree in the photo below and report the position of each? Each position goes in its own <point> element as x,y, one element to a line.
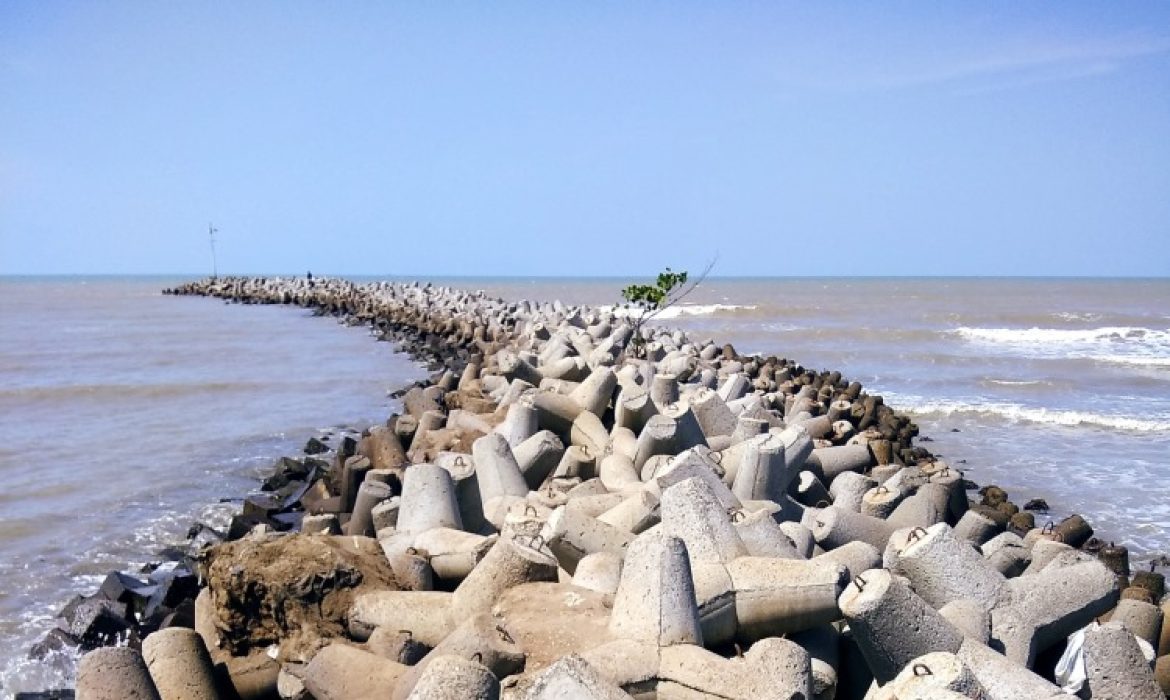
<point>652,299</point>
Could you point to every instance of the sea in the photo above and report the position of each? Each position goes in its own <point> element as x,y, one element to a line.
<point>128,415</point>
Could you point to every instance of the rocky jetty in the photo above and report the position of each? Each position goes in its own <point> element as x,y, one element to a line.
<point>562,512</point>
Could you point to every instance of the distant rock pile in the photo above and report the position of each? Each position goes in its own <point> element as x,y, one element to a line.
<point>563,513</point>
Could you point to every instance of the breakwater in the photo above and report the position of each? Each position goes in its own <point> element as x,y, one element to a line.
<point>555,511</point>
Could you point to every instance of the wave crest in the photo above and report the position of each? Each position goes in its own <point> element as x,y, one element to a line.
<point>680,310</point>
<point>1019,413</point>
<point>1128,346</point>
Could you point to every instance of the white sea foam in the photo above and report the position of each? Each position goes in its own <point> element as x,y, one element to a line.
<point>1132,360</point>
<point>1115,345</point>
<point>680,310</point>
<point>1019,413</point>
<point>1014,382</point>
<point>1031,336</point>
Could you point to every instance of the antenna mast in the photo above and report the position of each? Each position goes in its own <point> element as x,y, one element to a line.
<point>211,237</point>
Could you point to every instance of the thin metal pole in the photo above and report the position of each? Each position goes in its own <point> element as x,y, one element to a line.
<point>211,236</point>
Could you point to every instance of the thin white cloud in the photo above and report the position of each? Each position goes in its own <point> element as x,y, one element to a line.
<point>986,68</point>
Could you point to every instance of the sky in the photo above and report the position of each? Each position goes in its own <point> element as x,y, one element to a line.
<point>585,138</point>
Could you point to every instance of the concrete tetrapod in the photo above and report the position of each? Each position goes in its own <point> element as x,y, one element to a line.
<point>424,613</point>
<point>180,664</point>
<point>1115,666</point>
<point>343,672</point>
<point>779,596</point>
<point>931,673</point>
<point>571,534</point>
<point>892,625</point>
<point>570,677</point>
<point>695,464</point>
<point>537,456</point>
<point>772,669</point>
<point>114,673</point>
<point>428,500</point>
<point>636,513</point>
<point>452,553</point>
<point>691,512</point>
<point>369,495</point>
<point>657,438</point>
<point>1003,679</point>
<point>595,391</point>
<point>714,417</point>
<point>833,527</point>
<point>1049,606</point>
<point>481,638</point>
<point>520,423</point>
<point>942,568</point>
<point>496,468</point>
<point>763,473</point>
<point>763,536</point>
<point>455,678</point>
<point>848,489</point>
<point>1139,617</point>
<point>830,462</point>
<point>857,557</point>
<point>601,572</point>
<point>655,600</point>
<point>509,563</point>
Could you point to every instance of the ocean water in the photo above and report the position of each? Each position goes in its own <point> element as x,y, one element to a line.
<point>127,415</point>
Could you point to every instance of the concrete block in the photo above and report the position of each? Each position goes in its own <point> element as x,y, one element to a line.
<point>892,625</point>
<point>655,600</point>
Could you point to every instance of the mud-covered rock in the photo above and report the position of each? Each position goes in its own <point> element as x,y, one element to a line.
<point>292,590</point>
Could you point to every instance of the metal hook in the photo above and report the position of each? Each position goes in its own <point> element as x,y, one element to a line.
<point>736,514</point>
<point>922,670</point>
<point>826,504</point>
<point>477,657</point>
<point>536,542</point>
<point>530,510</point>
<point>860,582</point>
<point>504,635</point>
<point>412,551</point>
<point>738,651</point>
<point>459,461</point>
<point>409,634</point>
<point>1048,528</point>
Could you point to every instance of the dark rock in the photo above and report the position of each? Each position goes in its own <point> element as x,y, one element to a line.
<point>969,485</point>
<point>1037,504</point>
<point>97,621</point>
<point>182,616</point>
<point>956,430</point>
<point>126,589</point>
<point>261,505</point>
<point>54,641</point>
<point>171,590</point>
<point>315,447</point>
<point>288,521</point>
<point>993,495</point>
<point>46,695</point>
<point>242,524</point>
<point>205,534</point>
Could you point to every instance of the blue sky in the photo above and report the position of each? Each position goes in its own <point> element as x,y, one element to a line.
<point>586,138</point>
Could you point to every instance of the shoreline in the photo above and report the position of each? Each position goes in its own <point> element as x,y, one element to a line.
<point>450,343</point>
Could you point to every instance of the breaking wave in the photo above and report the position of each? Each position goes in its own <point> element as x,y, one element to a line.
<point>1013,412</point>
<point>1116,345</point>
<point>682,310</point>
